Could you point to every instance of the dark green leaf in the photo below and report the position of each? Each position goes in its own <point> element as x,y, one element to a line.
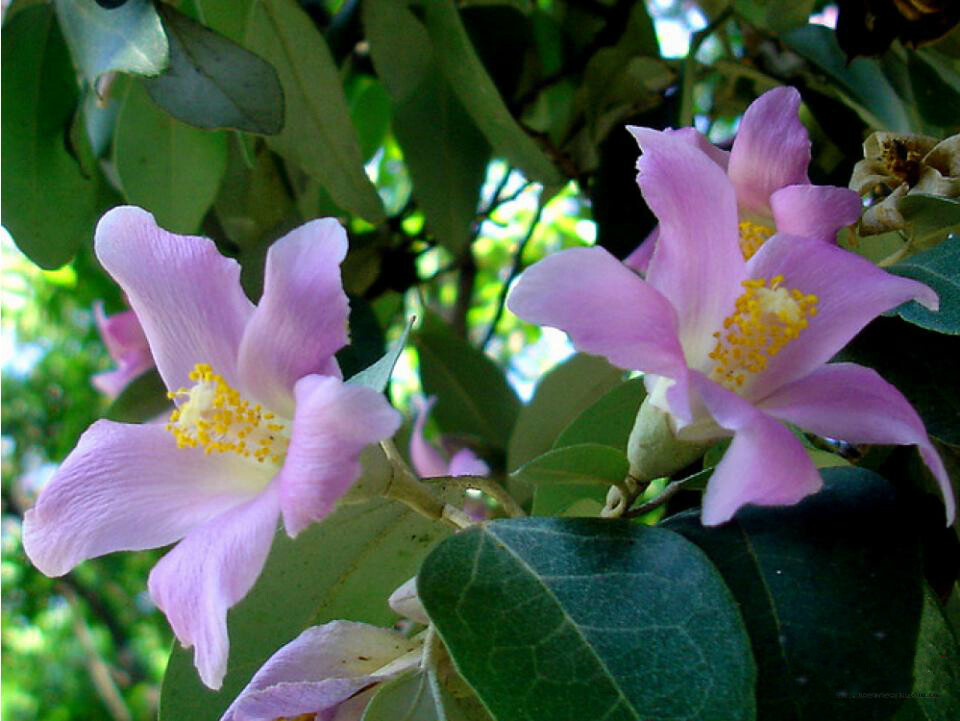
<point>939,268</point>
<point>370,112</point>
<point>473,395</point>
<point>469,79</point>
<point>171,169</point>
<point>377,376</point>
<point>937,100</point>
<point>561,395</point>
<point>214,83</point>
<point>48,203</point>
<point>609,420</point>
<point>830,590</point>
<point>142,400</point>
<point>344,567</point>
<point>586,619</point>
<point>317,133</point>
<point>775,15</point>
<point>574,500</point>
<point>930,218</point>
<point>128,39</point>
<point>583,463</point>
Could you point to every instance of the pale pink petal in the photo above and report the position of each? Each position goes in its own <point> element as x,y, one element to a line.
<point>318,670</point>
<point>465,463</point>
<point>766,465</point>
<point>639,259</point>
<point>126,488</point>
<point>208,572</point>
<point>406,601</point>
<point>301,320</point>
<point>187,296</point>
<point>854,404</point>
<point>697,264</point>
<point>334,421</point>
<point>112,383</point>
<point>851,292</point>
<point>604,308</point>
<point>120,332</point>
<point>814,211</point>
<point>771,150</point>
<point>426,460</point>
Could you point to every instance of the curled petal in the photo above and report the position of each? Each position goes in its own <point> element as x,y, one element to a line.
<point>766,464</point>
<point>334,421</point>
<point>210,571</point>
<point>850,295</point>
<point>854,404</point>
<point>187,296</point>
<point>126,488</point>
<point>301,320</point>
<point>771,150</point>
<point>426,460</point>
<point>121,332</point>
<point>639,259</point>
<point>814,211</point>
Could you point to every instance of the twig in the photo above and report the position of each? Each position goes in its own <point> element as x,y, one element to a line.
<point>406,488</point>
<point>492,489</point>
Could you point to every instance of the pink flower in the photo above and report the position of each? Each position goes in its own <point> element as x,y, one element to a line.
<point>264,425</point>
<point>127,345</point>
<point>768,168</point>
<point>730,346</point>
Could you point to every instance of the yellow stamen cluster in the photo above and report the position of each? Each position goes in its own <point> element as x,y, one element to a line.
<point>766,318</point>
<point>218,419</point>
<point>752,236</point>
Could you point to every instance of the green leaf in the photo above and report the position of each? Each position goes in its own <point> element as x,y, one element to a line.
<point>214,83</point>
<point>561,395</point>
<point>609,420</point>
<point>127,39</point>
<point>473,395</point>
<point>442,148</point>
<point>930,218</point>
<point>830,590</point>
<point>583,463</point>
<point>937,100</point>
<point>48,203</point>
<point>378,375</point>
<point>165,166</point>
<point>419,696</point>
<point>775,15</point>
<point>586,619</point>
<point>370,113</point>
<point>573,500</point>
<point>142,400</point>
<point>317,134</point>
<point>469,79</point>
<point>938,268</point>
<point>344,567</point>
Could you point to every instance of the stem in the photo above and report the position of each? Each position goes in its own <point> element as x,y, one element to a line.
<point>894,257</point>
<point>492,489</point>
<point>456,517</point>
<point>669,492</point>
<point>404,486</point>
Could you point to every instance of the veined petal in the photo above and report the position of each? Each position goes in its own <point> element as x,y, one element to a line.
<point>465,463</point>
<point>187,296</point>
<point>854,404</point>
<point>697,264</point>
<point>121,332</point>
<point>301,320</point>
<point>771,150</point>
<point>766,465</point>
<point>127,488</point>
<point>426,460</point>
<point>604,308</point>
<point>851,292</point>
<point>814,211</point>
<point>208,572</point>
<point>333,423</point>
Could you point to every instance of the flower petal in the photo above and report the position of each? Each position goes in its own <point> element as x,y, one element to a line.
<point>771,150</point>
<point>301,320</point>
<point>126,488</point>
<point>319,669</point>
<point>187,296</point>
<point>851,292</point>
<point>120,332</point>
<point>426,460</point>
<point>208,572</point>
<point>604,308</point>
<point>697,264</point>
<point>766,464</point>
<point>334,421</point>
<point>639,259</point>
<point>465,463</point>
<point>854,404</point>
<point>814,211</point>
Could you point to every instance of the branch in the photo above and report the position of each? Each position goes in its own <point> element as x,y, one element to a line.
<point>492,489</point>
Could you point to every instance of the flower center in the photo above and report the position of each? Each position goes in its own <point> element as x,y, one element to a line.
<point>766,317</point>
<point>218,419</point>
<point>752,236</point>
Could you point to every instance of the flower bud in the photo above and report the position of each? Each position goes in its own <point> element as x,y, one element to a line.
<point>653,449</point>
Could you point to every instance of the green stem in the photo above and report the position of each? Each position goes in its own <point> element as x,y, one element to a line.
<point>404,487</point>
<point>492,489</point>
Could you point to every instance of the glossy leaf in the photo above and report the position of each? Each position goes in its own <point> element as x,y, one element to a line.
<point>342,568</point>
<point>830,590</point>
<point>317,134</point>
<point>561,395</point>
<point>214,83</point>
<point>48,202</point>
<point>609,420</point>
<point>583,463</point>
<point>587,619</point>
<point>127,39</point>
<point>939,268</point>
